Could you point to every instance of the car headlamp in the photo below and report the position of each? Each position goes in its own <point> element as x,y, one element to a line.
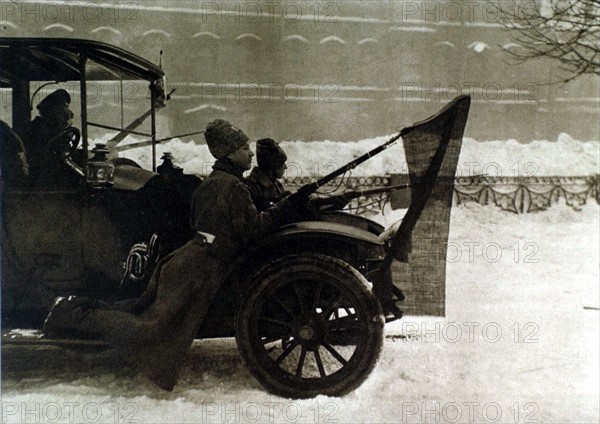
<point>100,170</point>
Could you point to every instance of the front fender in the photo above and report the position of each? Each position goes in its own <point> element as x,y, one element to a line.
<point>334,230</point>
<point>359,248</point>
<point>353,245</point>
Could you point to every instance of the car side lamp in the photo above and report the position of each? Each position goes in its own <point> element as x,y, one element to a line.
<point>100,170</point>
<point>168,167</point>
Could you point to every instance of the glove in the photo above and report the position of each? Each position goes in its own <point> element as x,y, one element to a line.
<point>339,202</point>
<point>300,197</point>
<point>334,203</point>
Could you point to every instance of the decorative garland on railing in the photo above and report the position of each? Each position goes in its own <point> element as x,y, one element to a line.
<point>513,194</point>
<point>527,194</point>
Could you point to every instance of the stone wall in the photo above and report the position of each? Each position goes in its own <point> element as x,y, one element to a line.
<point>337,70</point>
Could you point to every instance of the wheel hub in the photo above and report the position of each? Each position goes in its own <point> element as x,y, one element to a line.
<point>310,329</point>
<point>306,333</point>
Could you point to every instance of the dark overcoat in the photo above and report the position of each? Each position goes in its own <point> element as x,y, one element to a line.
<point>154,333</point>
<point>264,189</point>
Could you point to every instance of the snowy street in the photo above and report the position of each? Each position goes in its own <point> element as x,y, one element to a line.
<point>290,172</point>
<point>519,343</point>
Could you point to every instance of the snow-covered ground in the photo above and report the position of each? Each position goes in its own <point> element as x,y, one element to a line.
<point>519,342</point>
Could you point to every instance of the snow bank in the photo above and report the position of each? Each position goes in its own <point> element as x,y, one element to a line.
<point>564,156</point>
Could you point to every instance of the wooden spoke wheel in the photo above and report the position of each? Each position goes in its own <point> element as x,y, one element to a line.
<point>311,325</point>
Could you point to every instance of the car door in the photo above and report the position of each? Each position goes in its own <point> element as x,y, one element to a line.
<point>41,249</point>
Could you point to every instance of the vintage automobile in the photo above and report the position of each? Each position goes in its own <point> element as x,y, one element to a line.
<point>69,221</point>
<point>307,304</point>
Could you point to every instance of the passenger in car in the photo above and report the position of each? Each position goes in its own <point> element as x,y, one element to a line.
<point>264,182</point>
<point>14,165</point>
<point>154,332</point>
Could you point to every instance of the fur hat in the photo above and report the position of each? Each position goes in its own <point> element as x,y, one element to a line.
<point>58,98</point>
<point>269,155</point>
<point>223,138</point>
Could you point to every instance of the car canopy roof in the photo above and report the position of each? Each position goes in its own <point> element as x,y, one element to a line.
<point>58,59</point>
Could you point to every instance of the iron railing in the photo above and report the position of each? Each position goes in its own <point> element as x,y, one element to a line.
<point>512,194</point>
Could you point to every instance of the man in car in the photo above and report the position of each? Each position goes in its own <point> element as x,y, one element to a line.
<point>154,333</point>
<point>13,157</point>
<point>264,182</point>
<point>53,119</point>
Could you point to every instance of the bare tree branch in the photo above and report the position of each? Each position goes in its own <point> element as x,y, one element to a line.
<point>564,30</point>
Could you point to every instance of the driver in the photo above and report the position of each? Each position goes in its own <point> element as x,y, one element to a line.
<point>53,119</point>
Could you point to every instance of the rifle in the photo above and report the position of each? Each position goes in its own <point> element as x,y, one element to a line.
<point>339,201</point>
<point>310,188</point>
<point>448,113</point>
<point>367,192</point>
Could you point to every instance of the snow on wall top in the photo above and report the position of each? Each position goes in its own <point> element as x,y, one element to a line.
<point>563,157</point>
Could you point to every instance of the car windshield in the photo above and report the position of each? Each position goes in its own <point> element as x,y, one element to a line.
<point>110,91</point>
<point>113,105</point>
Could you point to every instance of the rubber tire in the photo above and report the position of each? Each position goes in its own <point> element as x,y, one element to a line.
<point>340,275</point>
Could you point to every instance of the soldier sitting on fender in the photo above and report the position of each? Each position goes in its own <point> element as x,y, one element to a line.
<point>266,188</point>
<point>154,332</point>
<point>263,182</point>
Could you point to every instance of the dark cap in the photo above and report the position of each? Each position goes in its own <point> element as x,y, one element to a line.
<point>269,155</point>
<point>223,138</point>
<point>58,98</point>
